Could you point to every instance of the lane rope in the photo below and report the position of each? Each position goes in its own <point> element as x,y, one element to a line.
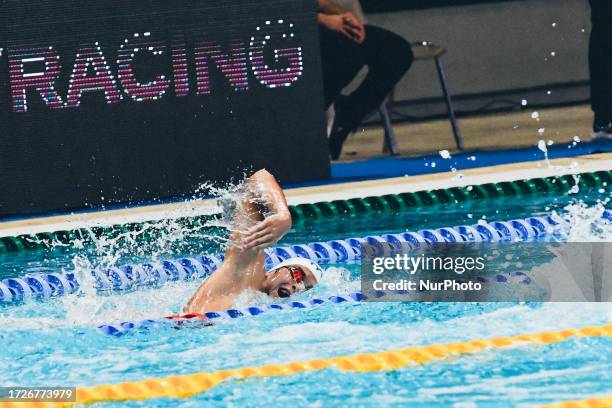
<point>155,273</point>
<point>124,327</point>
<point>118,329</point>
<point>601,402</point>
<point>184,386</point>
<point>340,208</point>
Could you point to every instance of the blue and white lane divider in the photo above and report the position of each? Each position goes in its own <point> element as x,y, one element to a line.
<point>341,250</point>
<point>121,328</point>
<point>116,278</point>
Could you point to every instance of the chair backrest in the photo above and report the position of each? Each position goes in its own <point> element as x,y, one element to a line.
<point>353,6</point>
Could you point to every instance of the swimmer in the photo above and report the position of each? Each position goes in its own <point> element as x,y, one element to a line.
<point>260,220</point>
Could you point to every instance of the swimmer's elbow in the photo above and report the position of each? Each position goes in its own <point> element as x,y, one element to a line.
<point>263,177</point>
<point>269,188</point>
<point>261,174</point>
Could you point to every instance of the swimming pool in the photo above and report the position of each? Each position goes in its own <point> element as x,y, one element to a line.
<point>56,341</point>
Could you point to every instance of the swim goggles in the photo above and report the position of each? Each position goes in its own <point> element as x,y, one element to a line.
<point>299,276</point>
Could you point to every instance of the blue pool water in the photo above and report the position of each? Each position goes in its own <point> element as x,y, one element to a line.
<point>56,342</point>
<point>172,239</point>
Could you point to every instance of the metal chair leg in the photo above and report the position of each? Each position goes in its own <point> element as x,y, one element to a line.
<point>390,141</point>
<point>449,104</point>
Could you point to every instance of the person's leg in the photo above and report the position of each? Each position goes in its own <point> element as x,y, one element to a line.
<point>388,57</point>
<point>600,64</point>
<point>341,60</point>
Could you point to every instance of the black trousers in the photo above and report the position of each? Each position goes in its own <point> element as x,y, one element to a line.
<point>600,58</point>
<point>388,57</point>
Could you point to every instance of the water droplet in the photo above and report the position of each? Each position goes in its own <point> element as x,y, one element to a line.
<point>542,146</point>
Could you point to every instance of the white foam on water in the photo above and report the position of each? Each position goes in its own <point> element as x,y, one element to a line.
<point>580,223</point>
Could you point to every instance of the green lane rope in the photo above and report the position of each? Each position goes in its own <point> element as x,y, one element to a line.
<point>399,202</point>
<point>50,239</point>
<point>353,207</point>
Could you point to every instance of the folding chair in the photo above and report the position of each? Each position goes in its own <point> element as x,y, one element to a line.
<point>422,50</point>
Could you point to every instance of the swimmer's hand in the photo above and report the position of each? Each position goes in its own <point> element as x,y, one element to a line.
<point>267,232</point>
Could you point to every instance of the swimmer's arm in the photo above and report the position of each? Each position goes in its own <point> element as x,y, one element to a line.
<point>220,290</point>
<point>270,229</point>
<point>244,265</point>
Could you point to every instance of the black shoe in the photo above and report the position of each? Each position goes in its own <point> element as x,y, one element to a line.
<point>602,128</point>
<point>337,138</point>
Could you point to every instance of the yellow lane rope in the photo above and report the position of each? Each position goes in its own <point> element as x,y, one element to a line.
<point>182,386</point>
<point>605,402</point>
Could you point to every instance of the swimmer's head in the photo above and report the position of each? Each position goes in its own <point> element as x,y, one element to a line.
<point>295,275</point>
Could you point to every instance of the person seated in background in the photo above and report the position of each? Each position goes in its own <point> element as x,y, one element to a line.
<point>600,66</point>
<point>347,45</point>
<point>260,219</point>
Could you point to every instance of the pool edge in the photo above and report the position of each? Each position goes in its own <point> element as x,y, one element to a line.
<point>338,191</point>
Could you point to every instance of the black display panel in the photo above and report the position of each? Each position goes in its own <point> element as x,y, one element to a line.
<point>114,101</point>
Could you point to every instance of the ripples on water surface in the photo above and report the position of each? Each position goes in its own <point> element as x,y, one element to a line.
<point>55,342</point>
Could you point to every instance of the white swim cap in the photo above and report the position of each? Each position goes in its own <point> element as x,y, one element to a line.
<point>312,266</point>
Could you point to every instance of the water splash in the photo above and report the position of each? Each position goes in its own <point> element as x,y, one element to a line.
<point>583,223</point>
<point>445,154</point>
<point>153,240</point>
<point>580,222</point>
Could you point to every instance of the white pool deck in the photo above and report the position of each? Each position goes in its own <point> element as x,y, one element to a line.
<point>482,175</point>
